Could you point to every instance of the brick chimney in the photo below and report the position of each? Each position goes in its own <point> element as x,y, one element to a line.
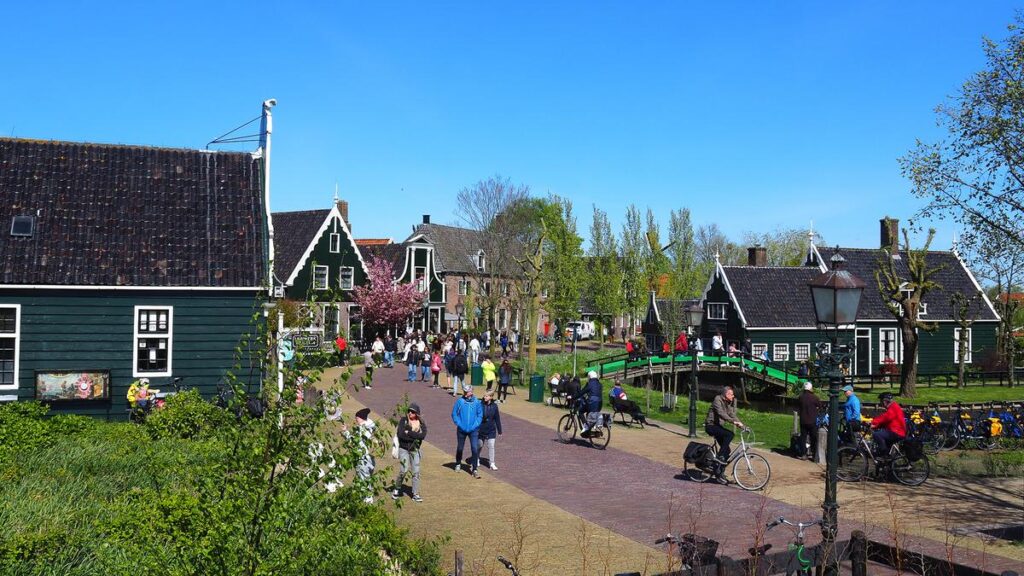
<point>757,256</point>
<point>426,218</point>
<point>890,236</point>
<point>343,209</point>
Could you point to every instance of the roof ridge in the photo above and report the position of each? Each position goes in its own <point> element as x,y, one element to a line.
<point>112,145</point>
<point>301,211</point>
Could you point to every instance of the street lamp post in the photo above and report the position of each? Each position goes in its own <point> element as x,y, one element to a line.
<point>836,295</point>
<point>459,309</point>
<point>694,319</point>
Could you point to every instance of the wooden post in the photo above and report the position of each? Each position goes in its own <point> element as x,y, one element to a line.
<point>859,553</point>
<point>458,563</point>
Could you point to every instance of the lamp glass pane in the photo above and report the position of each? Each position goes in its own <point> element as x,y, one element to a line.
<point>847,302</point>
<point>824,305</point>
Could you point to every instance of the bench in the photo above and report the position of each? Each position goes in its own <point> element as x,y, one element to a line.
<point>626,408</point>
<point>558,395</point>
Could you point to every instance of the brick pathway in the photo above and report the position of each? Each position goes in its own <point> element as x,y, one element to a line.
<point>623,492</point>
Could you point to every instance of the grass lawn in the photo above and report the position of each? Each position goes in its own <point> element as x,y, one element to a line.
<point>945,394</point>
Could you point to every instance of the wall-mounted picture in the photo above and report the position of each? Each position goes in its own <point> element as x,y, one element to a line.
<point>57,385</point>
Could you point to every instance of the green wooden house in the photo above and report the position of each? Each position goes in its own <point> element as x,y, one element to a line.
<point>771,305</point>
<point>122,262</point>
<point>317,261</point>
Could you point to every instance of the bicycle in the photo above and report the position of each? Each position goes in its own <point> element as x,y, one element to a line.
<point>927,428</point>
<point>750,471</point>
<point>964,431</point>
<point>803,564</point>
<point>572,423</point>
<point>906,462</point>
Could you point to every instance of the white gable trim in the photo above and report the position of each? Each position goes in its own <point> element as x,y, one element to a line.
<point>720,271</point>
<point>974,281</point>
<point>333,215</point>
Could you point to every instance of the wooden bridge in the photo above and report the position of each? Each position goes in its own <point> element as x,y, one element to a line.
<point>620,366</point>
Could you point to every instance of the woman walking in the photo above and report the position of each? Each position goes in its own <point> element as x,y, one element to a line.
<point>489,373</point>
<point>504,380</point>
<point>490,428</point>
<point>411,431</point>
<point>435,367</point>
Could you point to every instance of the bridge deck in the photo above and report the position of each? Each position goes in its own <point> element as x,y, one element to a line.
<point>663,365</point>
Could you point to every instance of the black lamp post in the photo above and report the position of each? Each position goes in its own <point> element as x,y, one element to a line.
<point>694,319</point>
<point>836,296</point>
<point>459,309</point>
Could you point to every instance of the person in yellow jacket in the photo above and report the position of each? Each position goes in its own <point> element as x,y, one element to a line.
<point>490,372</point>
<point>139,394</point>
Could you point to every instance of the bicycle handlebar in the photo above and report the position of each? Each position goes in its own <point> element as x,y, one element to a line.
<point>797,525</point>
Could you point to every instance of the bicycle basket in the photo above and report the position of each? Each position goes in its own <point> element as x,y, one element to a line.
<point>696,453</point>
<point>913,449</point>
<point>697,550</point>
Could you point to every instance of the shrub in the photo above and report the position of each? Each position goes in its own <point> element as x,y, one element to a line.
<point>185,415</point>
<point>25,426</point>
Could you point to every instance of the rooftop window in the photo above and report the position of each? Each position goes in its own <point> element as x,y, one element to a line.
<point>23,225</point>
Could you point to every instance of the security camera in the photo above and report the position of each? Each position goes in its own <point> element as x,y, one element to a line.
<point>270,103</point>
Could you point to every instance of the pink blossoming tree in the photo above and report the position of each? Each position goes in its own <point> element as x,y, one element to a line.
<point>383,301</point>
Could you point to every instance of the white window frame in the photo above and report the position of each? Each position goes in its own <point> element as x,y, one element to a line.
<point>956,346</point>
<point>782,356</point>
<point>16,335</point>
<point>897,353</point>
<point>801,352</point>
<point>504,289</point>
<point>463,287</point>
<point>724,307</point>
<point>481,261</point>
<point>758,349</point>
<point>335,246</point>
<point>136,336</point>
<point>419,276</point>
<point>922,310</point>
<point>502,319</point>
<point>826,347</point>
<point>351,278</point>
<point>326,277</point>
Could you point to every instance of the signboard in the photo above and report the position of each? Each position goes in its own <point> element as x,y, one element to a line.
<point>59,385</point>
<point>306,340</point>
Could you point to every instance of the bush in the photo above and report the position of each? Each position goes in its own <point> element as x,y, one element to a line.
<point>185,415</point>
<point>25,426</point>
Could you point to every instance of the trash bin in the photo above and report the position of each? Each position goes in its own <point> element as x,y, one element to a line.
<point>476,375</point>
<point>536,388</point>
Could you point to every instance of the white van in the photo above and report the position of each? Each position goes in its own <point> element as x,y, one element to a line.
<point>586,330</point>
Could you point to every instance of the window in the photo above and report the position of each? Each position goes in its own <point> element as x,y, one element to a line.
<point>9,342</point>
<point>956,346</point>
<point>716,310</point>
<point>335,243</point>
<point>419,273</point>
<point>801,352</point>
<point>23,225</point>
<point>825,347</point>
<point>480,261</point>
<point>319,277</point>
<point>487,288</point>
<point>328,319</point>
<point>347,278</point>
<point>153,337</point>
<point>463,287</point>
<point>887,346</point>
<point>502,319</point>
<point>504,288</point>
<point>922,309</point>
<point>515,319</point>
<point>780,352</point>
<point>758,350</point>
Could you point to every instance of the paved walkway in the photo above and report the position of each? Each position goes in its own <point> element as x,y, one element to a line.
<point>629,494</point>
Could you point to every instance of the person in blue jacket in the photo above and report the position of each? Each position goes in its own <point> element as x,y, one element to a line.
<point>851,413</point>
<point>590,398</point>
<point>467,414</point>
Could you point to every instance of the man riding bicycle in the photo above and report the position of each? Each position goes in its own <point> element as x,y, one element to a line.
<point>889,426</point>
<point>589,399</point>
<point>723,411</point>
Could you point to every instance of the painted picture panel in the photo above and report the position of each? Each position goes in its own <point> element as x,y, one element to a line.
<point>58,385</point>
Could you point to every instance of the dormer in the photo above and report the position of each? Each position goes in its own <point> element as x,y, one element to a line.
<point>479,261</point>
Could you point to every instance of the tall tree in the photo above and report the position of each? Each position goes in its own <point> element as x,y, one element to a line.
<point>997,260</point>
<point>563,271</point>
<point>902,289</point>
<point>783,246</point>
<point>976,174</point>
<point>655,263</point>
<point>631,253</point>
<point>965,312</point>
<point>383,301</point>
<point>684,277</point>
<point>604,280</point>
<point>486,207</point>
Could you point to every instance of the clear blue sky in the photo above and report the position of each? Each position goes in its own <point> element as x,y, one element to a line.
<point>755,115</point>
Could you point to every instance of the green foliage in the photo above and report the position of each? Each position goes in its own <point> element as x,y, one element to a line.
<point>563,264</point>
<point>186,415</point>
<point>25,426</point>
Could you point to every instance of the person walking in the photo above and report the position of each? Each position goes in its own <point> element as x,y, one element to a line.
<point>389,351</point>
<point>363,434</point>
<point>504,380</point>
<point>423,359</point>
<point>449,357</point>
<point>474,350</point>
<point>460,368</point>
<point>342,346</point>
<point>467,415</point>
<point>411,359</point>
<point>503,341</point>
<point>490,428</point>
<point>809,405</point>
<point>368,370</point>
<point>489,373</point>
<point>435,367</point>
<point>411,432</point>
<point>378,351</point>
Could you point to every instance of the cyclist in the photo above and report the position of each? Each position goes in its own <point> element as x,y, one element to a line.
<point>589,399</point>
<point>851,413</point>
<point>889,426</point>
<point>723,411</point>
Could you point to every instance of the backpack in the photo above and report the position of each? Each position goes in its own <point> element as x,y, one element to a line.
<point>697,453</point>
<point>459,364</point>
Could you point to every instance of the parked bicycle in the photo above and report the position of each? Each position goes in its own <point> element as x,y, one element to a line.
<point>928,428</point>
<point>571,424</point>
<point>799,564</point>
<point>966,432</point>
<point>906,461</point>
<point>750,471</point>
<point>693,550</point>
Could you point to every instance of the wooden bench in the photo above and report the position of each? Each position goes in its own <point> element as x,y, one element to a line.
<point>626,408</point>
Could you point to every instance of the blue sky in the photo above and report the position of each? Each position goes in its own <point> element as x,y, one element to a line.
<point>754,115</point>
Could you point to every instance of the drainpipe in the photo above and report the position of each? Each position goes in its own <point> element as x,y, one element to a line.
<point>266,128</point>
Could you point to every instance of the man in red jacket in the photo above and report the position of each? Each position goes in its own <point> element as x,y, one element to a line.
<point>889,426</point>
<point>682,346</point>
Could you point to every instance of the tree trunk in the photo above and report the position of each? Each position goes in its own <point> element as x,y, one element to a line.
<point>908,371</point>
<point>531,361</point>
<point>961,366</point>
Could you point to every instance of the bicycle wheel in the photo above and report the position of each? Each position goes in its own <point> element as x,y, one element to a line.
<point>934,440</point>
<point>751,471</point>
<point>694,474</point>
<point>600,436</point>
<point>852,464</point>
<point>910,473</point>
<point>953,435</point>
<point>566,428</point>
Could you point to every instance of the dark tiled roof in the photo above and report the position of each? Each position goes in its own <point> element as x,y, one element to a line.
<point>774,296</point>
<point>953,277</point>
<point>131,216</point>
<point>453,247</point>
<point>293,231</point>
<point>674,309</point>
<point>394,254</point>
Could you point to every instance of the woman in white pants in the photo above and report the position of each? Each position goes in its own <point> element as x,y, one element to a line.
<point>490,428</point>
